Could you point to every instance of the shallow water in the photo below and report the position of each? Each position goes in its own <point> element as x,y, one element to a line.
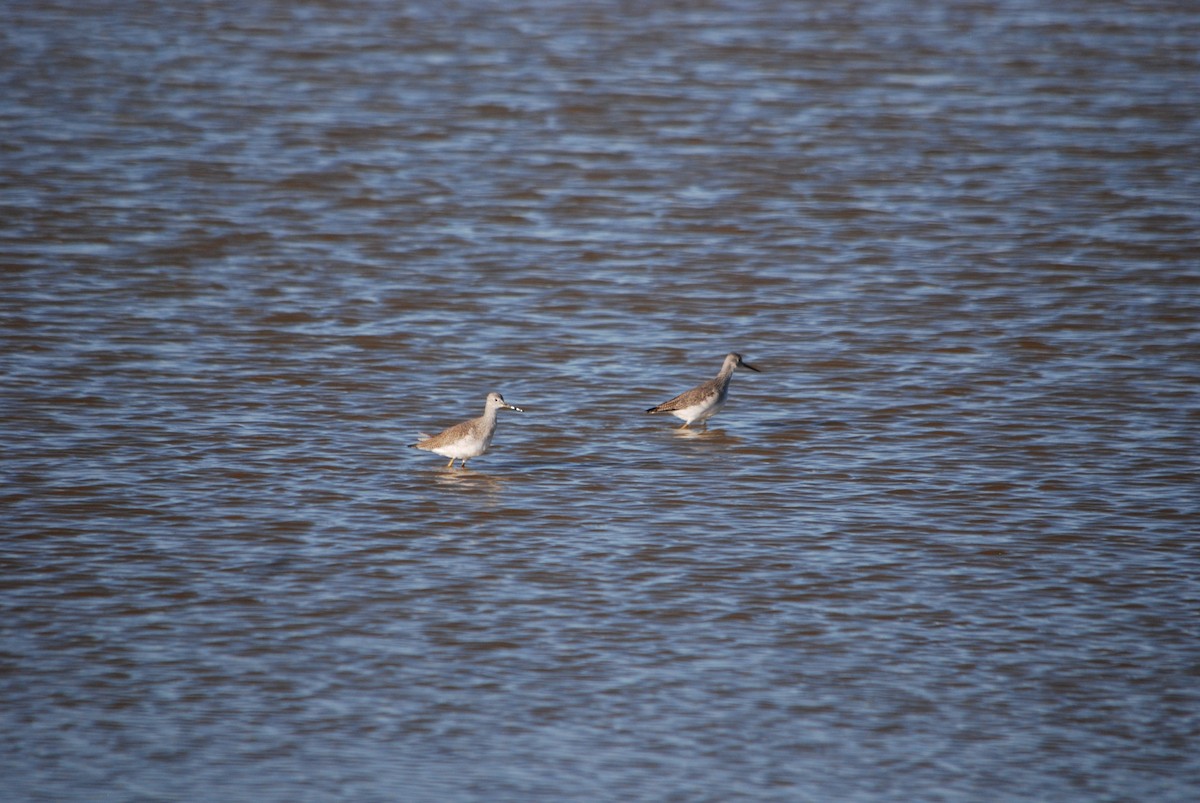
<point>942,547</point>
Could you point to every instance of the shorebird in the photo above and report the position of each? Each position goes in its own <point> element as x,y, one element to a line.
<point>468,439</point>
<point>705,400</point>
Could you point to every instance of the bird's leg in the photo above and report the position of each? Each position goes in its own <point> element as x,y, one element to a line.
<point>451,463</point>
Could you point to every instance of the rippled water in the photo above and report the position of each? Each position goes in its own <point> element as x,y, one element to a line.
<point>944,546</point>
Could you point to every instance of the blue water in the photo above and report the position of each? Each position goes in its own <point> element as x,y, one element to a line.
<point>943,547</point>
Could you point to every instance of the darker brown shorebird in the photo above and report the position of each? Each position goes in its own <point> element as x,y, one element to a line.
<point>704,401</point>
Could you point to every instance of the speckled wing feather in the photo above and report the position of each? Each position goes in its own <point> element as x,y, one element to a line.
<point>687,398</point>
<point>447,436</point>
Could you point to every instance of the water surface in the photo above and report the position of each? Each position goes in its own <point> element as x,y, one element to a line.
<point>943,547</point>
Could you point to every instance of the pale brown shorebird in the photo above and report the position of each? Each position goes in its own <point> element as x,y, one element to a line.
<point>468,439</point>
<point>704,401</point>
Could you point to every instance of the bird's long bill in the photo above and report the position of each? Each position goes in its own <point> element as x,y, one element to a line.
<point>508,406</point>
<point>745,364</point>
